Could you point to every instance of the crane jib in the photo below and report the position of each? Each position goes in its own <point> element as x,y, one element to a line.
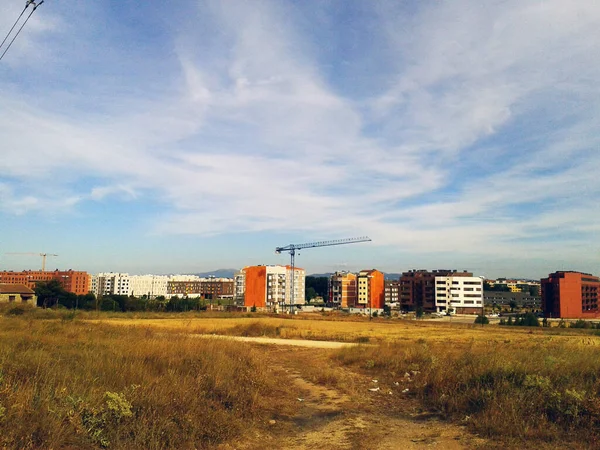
<point>291,248</point>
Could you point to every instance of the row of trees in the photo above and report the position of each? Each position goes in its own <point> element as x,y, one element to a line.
<point>52,294</point>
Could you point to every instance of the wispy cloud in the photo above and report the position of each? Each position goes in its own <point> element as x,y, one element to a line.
<point>479,133</point>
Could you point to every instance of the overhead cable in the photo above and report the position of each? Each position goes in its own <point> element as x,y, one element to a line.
<point>35,6</point>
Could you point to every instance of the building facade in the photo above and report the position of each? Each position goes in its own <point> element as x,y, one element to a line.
<point>270,287</point>
<point>17,293</point>
<point>462,295</point>
<point>570,295</point>
<point>77,282</point>
<point>151,286</point>
<point>417,288</point>
<point>370,289</point>
<point>392,292</point>
<point>208,288</point>
<point>342,289</point>
<point>111,283</point>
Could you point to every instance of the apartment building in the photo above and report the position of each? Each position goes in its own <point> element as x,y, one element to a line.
<point>570,295</point>
<point>392,292</point>
<point>463,295</point>
<point>270,286</point>
<point>77,282</point>
<point>370,289</point>
<point>208,288</point>
<point>239,287</point>
<point>342,289</point>
<point>417,288</point>
<point>151,286</point>
<point>110,283</point>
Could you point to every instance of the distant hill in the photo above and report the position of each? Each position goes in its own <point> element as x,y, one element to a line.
<point>219,273</point>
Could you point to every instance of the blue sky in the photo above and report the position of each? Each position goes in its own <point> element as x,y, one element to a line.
<point>187,136</point>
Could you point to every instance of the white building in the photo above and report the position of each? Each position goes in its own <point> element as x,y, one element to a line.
<point>239,286</point>
<point>113,284</point>
<point>94,284</point>
<point>464,295</point>
<point>151,286</point>
<point>184,278</point>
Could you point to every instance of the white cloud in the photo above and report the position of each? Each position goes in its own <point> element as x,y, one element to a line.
<point>257,138</point>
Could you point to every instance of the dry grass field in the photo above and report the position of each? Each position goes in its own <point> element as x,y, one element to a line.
<point>91,380</point>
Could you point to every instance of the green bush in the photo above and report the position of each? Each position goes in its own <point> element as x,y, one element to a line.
<point>481,319</point>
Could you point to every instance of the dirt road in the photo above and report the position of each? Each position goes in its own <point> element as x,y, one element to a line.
<point>276,341</point>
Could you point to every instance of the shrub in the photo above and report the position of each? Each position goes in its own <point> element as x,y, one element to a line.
<point>482,320</point>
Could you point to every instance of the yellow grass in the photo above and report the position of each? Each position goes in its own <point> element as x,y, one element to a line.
<point>69,384</point>
<point>375,331</point>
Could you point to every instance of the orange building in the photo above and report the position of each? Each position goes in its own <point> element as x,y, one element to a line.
<point>342,289</point>
<point>72,281</point>
<point>371,289</point>
<point>570,295</point>
<point>270,286</point>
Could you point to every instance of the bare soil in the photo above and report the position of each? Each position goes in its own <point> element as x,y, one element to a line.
<point>341,409</point>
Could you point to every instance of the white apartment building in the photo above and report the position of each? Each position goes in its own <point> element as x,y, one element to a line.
<point>94,284</point>
<point>184,278</point>
<point>150,285</point>
<point>239,286</point>
<point>113,284</point>
<point>464,295</point>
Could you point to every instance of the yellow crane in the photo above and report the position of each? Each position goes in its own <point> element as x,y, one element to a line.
<point>43,255</point>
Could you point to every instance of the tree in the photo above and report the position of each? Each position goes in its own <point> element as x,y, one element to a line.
<point>420,312</point>
<point>87,301</point>
<point>513,305</point>
<point>51,293</point>
<point>319,284</point>
<point>310,293</point>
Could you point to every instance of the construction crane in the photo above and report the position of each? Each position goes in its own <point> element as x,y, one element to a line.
<point>43,255</point>
<point>292,248</point>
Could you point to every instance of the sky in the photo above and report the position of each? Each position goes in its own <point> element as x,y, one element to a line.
<point>187,136</point>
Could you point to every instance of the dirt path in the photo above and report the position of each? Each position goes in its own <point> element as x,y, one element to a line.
<point>341,409</point>
<point>278,341</point>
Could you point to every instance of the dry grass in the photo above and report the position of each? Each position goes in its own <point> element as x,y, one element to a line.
<point>65,384</point>
<point>73,382</point>
<point>515,391</point>
<point>355,329</point>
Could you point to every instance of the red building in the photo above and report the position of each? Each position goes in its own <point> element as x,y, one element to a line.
<point>417,288</point>
<point>71,280</point>
<point>570,295</point>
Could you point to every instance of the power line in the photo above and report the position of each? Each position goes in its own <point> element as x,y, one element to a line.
<point>29,2</point>
<point>14,25</point>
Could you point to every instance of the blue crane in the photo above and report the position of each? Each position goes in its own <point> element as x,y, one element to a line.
<point>292,248</point>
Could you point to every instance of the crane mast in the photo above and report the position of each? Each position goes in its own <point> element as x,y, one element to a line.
<point>43,255</point>
<point>292,248</point>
